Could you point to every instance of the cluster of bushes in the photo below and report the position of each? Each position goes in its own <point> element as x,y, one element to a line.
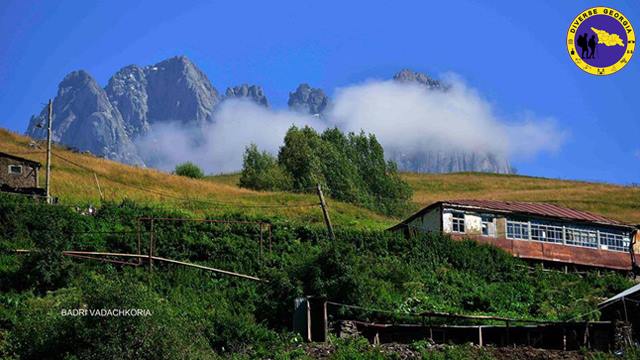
<point>350,167</point>
<point>196,314</point>
<point>189,169</point>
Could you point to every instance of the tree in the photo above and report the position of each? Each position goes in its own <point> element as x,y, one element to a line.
<point>351,167</point>
<point>189,169</point>
<point>299,157</point>
<point>260,171</point>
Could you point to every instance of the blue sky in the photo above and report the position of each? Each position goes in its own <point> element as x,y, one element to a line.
<point>512,52</point>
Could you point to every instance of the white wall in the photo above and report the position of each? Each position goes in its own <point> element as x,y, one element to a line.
<point>446,221</point>
<point>472,224</point>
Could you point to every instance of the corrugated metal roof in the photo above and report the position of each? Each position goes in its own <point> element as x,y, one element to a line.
<point>540,209</point>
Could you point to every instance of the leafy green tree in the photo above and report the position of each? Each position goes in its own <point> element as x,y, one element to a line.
<point>299,157</point>
<point>260,171</point>
<point>350,167</point>
<point>189,169</point>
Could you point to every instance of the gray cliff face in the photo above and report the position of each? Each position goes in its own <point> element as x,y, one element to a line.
<point>250,92</point>
<point>108,121</point>
<point>308,100</point>
<point>178,91</point>
<point>127,91</point>
<point>84,118</point>
<point>432,161</point>
<point>172,90</point>
<point>452,161</point>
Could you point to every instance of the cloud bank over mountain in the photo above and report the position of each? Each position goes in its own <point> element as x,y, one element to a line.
<point>408,119</point>
<point>164,114</point>
<point>218,147</point>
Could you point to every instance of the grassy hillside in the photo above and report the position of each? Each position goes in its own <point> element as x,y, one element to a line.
<point>73,182</point>
<point>220,194</point>
<point>615,201</point>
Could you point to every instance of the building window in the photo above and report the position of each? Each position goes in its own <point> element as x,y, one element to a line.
<point>457,222</point>
<point>613,241</point>
<point>546,232</point>
<point>574,235</point>
<point>487,221</point>
<point>582,237</point>
<point>15,169</point>
<point>517,230</point>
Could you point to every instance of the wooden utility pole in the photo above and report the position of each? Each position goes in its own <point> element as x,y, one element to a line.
<point>151,239</point>
<point>325,213</point>
<point>98,184</point>
<point>48,178</point>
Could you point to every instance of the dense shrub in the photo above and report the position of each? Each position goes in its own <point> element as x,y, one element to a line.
<point>202,314</point>
<point>45,331</point>
<point>350,167</point>
<point>189,169</point>
<point>355,349</point>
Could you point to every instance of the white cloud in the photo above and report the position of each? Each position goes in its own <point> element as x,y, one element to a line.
<point>411,118</point>
<point>406,118</point>
<point>219,146</point>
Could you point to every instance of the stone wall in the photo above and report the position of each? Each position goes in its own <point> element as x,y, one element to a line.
<point>27,178</point>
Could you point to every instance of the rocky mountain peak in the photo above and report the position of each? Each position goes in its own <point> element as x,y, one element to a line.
<point>245,91</point>
<point>84,118</point>
<point>308,100</point>
<point>107,121</point>
<point>432,161</point>
<point>77,77</point>
<point>407,75</point>
<point>178,65</point>
<point>179,91</point>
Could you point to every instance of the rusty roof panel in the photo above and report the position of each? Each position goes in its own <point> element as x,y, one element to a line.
<point>540,209</point>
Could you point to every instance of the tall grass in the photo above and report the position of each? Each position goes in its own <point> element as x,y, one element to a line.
<point>73,184</point>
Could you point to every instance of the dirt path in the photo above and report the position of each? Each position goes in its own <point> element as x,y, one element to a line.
<point>405,351</point>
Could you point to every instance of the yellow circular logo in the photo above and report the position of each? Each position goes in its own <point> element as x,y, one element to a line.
<point>601,40</point>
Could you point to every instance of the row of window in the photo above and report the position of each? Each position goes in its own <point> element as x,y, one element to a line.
<point>457,223</point>
<point>570,235</point>
<point>546,232</point>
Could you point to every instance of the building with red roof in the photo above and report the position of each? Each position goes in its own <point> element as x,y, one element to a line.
<point>534,231</point>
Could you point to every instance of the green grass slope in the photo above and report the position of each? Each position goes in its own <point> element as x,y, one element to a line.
<point>220,194</point>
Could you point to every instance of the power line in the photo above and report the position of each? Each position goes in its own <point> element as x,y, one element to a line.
<point>72,162</point>
<point>27,152</point>
<point>183,199</point>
